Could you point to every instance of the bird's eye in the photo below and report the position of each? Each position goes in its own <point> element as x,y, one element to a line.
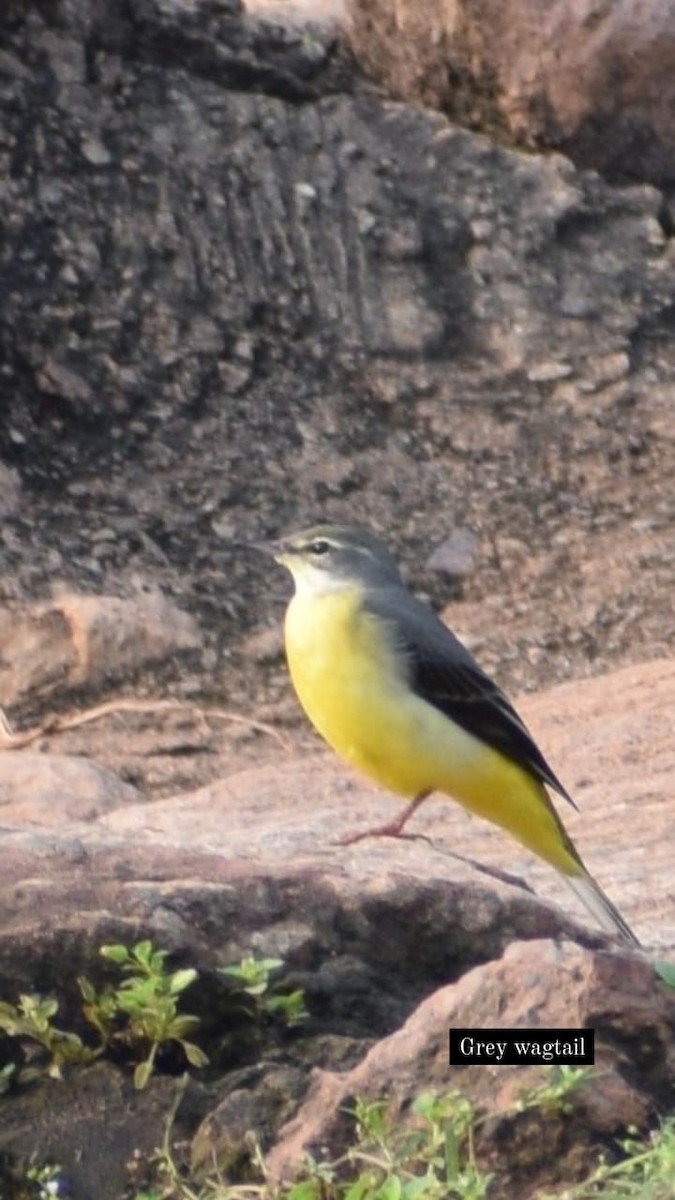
<point>319,546</point>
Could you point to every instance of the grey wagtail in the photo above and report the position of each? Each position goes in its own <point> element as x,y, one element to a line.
<point>394,692</point>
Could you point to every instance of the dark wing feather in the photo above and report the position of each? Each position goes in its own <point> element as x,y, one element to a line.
<point>442,672</point>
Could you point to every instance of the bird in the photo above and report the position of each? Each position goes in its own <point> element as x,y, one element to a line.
<point>396,694</point>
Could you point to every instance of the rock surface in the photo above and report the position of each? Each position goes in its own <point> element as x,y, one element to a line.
<point>612,740</point>
<point>78,643</point>
<point>368,932</point>
<point>249,865</point>
<point>593,80</point>
<point>564,986</point>
<point>56,789</point>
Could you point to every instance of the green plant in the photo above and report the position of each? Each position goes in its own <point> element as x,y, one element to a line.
<point>173,1182</point>
<point>31,1020</point>
<point>143,1009</point>
<point>646,1172</point>
<point>434,1159</point>
<point>252,976</point>
<point>141,1012</point>
<point>554,1093</point>
<point>46,1180</point>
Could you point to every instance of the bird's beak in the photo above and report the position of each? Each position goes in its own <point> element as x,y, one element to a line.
<point>272,548</point>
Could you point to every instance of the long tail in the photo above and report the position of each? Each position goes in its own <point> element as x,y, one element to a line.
<point>597,903</point>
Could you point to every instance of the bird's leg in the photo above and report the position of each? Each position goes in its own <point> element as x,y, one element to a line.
<point>392,828</point>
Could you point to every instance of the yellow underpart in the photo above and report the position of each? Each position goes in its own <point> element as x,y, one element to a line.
<point>345,671</point>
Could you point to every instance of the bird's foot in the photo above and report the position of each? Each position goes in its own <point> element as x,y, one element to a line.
<point>393,829</point>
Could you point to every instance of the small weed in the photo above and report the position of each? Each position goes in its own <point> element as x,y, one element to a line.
<point>433,1161</point>
<point>45,1181</point>
<point>646,1172</point>
<point>143,1009</point>
<point>437,1159</point>
<point>31,1022</point>
<point>173,1182</point>
<point>252,976</point>
<point>554,1094</point>
<point>140,1013</point>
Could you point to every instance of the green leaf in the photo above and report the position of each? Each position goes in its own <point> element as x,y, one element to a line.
<point>64,1044</point>
<point>289,1005</point>
<point>38,1008</point>
<point>389,1189</point>
<point>306,1189</point>
<point>361,1187</point>
<point>252,972</point>
<point>194,1054</point>
<point>6,1077</point>
<point>371,1118</point>
<point>115,953</point>
<point>87,989</point>
<point>10,1020</point>
<point>182,1024</point>
<point>182,979</point>
<point>230,972</point>
<point>142,1074</point>
<point>451,1154</point>
<point>421,1187</point>
<point>142,951</point>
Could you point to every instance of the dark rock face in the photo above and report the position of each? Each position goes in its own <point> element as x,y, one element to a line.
<point>241,292</point>
<point>93,1125</point>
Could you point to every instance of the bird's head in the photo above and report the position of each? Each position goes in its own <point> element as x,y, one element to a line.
<point>328,557</point>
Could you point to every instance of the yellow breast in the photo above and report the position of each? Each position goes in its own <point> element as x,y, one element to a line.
<point>348,678</point>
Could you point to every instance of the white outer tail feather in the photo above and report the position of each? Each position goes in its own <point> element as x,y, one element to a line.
<point>597,903</point>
